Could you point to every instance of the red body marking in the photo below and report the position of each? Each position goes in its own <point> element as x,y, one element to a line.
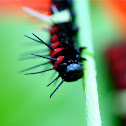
<point>55,28</point>
<point>57,50</point>
<point>55,44</point>
<point>54,38</point>
<point>59,60</point>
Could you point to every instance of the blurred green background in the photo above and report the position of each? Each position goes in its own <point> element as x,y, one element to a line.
<point>24,100</point>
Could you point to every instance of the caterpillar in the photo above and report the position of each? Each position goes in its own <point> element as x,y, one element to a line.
<point>64,55</point>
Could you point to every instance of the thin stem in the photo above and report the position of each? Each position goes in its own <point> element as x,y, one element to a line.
<point>89,79</point>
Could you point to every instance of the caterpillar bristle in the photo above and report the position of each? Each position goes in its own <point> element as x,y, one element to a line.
<point>57,88</point>
<point>39,72</point>
<point>43,41</point>
<point>30,57</point>
<point>34,67</point>
<point>53,81</point>
<point>44,57</point>
<point>26,58</point>
<point>35,51</point>
<point>33,39</point>
<point>58,36</point>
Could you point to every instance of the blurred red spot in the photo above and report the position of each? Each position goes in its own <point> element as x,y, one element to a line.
<point>117,61</point>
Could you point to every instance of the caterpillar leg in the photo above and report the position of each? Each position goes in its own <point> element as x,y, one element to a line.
<point>81,48</point>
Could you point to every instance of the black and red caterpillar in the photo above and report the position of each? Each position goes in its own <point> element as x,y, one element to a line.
<point>64,55</point>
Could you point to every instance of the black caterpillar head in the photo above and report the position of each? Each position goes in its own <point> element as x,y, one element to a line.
<point>72,72</point>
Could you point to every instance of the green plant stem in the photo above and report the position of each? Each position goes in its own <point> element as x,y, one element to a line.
<point>83,20</point>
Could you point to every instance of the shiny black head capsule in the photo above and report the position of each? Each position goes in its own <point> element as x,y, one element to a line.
<point>72,72</point>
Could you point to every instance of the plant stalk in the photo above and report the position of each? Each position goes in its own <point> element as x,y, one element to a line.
<point>82,9</point>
